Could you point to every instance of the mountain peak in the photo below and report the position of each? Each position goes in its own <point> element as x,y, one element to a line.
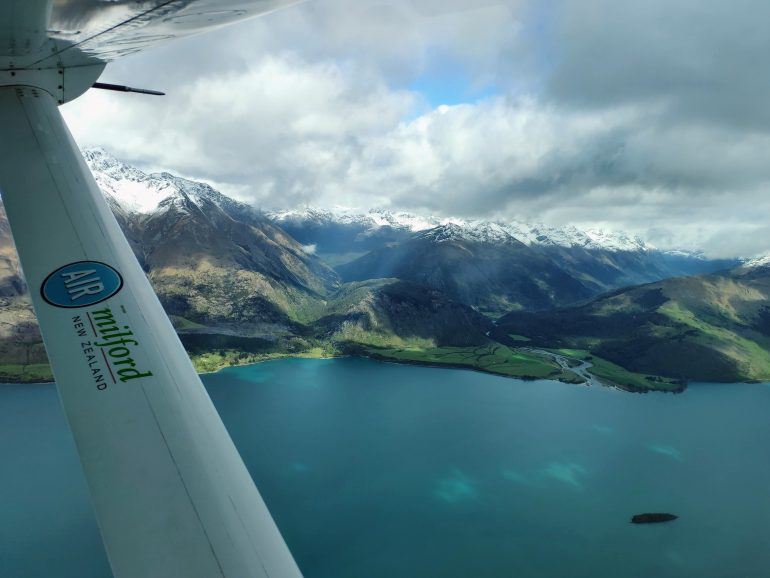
<point>478,232</point>
<point>143,193</point>
<point>128,187</point>
<point>758,261</point>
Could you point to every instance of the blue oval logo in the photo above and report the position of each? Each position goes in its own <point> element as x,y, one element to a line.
<point>81,284</point>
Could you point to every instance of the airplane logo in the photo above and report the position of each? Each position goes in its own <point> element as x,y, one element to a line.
<point>81,284</point>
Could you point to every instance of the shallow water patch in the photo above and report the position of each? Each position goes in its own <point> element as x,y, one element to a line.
<point>455,488</point>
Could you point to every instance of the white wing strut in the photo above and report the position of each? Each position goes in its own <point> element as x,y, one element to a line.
<point>172,497</point>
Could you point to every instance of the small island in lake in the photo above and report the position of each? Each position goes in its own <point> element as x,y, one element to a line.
<point>652,518</point>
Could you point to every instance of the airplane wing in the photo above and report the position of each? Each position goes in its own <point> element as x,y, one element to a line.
<point>172,496</point>
<point>79,32</point>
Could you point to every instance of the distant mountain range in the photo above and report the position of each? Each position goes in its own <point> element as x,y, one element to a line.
<point>494,267</point>
<point>241,285</point>
<point>337,230</point>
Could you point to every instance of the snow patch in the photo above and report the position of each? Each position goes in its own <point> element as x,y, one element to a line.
<point>453,228</point>
<point>759,261</point>
<point>138,192</point>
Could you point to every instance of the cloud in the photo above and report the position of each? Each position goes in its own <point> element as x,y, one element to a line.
<point>702,61</point>
<point>645,116</point>
<point>279,130</point>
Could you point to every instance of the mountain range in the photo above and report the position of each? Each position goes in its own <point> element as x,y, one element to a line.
<point>340,227</point>
<point>494,267</point>
<point>241,285</point>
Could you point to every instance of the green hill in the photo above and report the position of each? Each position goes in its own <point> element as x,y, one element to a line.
<point>707,328</point>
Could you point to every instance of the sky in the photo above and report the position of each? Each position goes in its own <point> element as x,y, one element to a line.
<point>649,116</point>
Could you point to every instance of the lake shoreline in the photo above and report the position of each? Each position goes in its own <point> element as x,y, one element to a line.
<point>383,359</point>
<point>601,382</point>
<point>10,380</point>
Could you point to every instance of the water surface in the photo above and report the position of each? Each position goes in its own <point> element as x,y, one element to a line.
<point>375,470</point>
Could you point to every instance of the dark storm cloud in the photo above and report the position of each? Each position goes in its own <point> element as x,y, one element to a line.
<point>704,61</point>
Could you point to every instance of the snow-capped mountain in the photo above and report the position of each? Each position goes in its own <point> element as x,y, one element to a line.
<point>211,259</point>
<point>138,192</point>
<point>759,261</point>
<point>483,263</point>
<point>480,232</point>
<point>372,222</point>
<point>144,195</point>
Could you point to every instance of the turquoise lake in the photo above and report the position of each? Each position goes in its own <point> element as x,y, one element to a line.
<point>379,470</point>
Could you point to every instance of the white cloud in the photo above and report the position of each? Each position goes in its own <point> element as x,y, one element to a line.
<point>282,128</point>
<point>313,106</point>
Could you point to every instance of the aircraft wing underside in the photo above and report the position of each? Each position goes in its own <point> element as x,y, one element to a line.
<point>82,32</point>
